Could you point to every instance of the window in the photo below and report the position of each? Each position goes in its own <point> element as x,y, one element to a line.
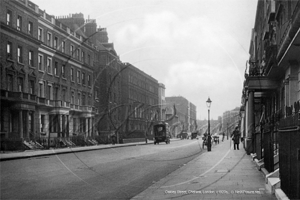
<point>72,98</point>
<point>49,65</point>
<point>82,56</point>
<point>30,27</point>
<point>78,76</point>
<point>8,17</point>
<point>20,54</point>
<point>31,86</point>
<point>89,80</point>
<point>89,59</point>
<point>40,34</point>
<point>78,54</point>
<point>49,39</point>
<point>63,95</point>
<point>83,99</point>
<point>49,94</point>
<point>55,43</point>
<point>19,23</point>
<point>30,58</point>
<point>72,74</point>
<point>41,62</point>
<point>42,123</point>
<point>78,99</point>
<point>63,69</point>
<point>56,68</point>
<point>41,90</point>
<point>83,78</point>
<point>63,46</point>
<point>10,82</point>
<point>20,84</point>
<point>72,51</point>
<point>89,99</point>
<point>55,93</point>
<point>96,94</point>
<point>9,50</point>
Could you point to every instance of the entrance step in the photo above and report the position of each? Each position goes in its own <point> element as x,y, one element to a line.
<point>273,184</point>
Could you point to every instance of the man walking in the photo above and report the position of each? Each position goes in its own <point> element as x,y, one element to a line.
<point>223,134</point>
<point>236,138</point>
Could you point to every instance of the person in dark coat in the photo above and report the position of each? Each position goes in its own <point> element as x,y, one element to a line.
<point>236,138</point>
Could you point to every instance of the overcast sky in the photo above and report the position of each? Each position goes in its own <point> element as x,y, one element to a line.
<point>197,48</point>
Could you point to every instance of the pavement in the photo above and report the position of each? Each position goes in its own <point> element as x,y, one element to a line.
<point>12,155</point>
<point>222,173</point>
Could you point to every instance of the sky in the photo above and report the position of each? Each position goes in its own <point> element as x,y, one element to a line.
<point>196,48</point>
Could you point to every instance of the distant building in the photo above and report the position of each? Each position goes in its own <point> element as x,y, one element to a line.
<point>185,111</point>
<point>141,102</point>
<point>162,101</point>
<point>230,120</point>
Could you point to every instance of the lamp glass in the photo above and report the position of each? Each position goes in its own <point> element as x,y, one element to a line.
<point>208,102</point>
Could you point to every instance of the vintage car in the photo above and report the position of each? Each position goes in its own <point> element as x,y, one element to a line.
<point>161,133</point>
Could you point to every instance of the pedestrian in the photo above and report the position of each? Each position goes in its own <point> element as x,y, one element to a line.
<point>223,136</point>
<point>236,138</point>
<point>113,139</point>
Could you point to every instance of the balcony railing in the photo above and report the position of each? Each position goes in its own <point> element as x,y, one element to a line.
<point>50,102</point>
<point>61,104</point>
<point>255,69</point>
<point>86,108</point>
<point>25,96</point>
<point>18,96</point>
<point>41,100</point>
<point>58,103</point>
<point>82,108</point>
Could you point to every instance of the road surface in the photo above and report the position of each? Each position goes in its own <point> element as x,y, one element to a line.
<point>118,173</point>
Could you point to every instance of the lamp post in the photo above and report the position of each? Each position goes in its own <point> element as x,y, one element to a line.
<point>208,102</point>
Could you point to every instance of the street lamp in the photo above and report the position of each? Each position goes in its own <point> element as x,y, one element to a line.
<point>208,102</point>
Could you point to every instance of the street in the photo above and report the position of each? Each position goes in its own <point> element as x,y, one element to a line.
<point>118,173</point>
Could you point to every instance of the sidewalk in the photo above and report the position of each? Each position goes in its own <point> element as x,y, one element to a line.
<point>35,153</point>
<point>223,173</point>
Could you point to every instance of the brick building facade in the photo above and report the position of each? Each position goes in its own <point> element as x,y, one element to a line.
<point>46,77</point>
<point>271,94</point>
<point>62,82</point>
